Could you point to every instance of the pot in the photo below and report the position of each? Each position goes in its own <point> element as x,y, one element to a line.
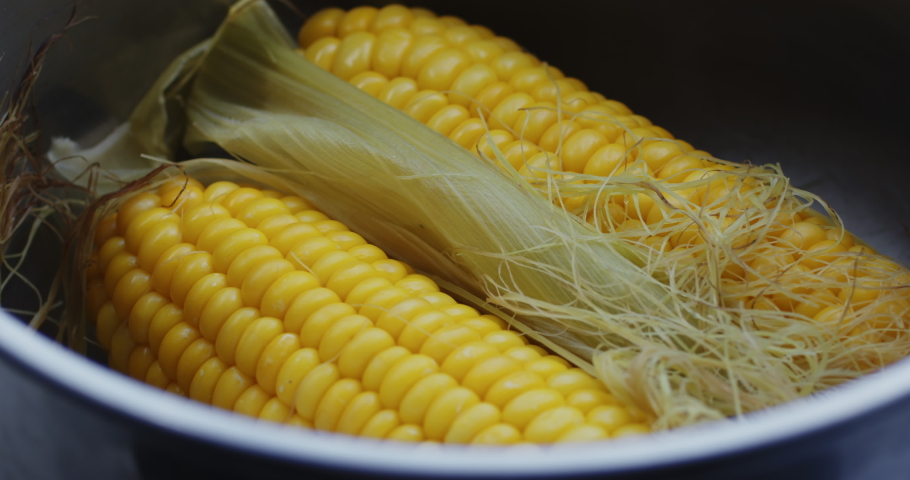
<point>818,88</point>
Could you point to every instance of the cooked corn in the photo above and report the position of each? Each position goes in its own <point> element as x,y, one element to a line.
<point>253,301</point>
<point>482,91</point>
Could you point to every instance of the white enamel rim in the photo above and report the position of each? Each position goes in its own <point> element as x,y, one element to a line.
<point>113,391</point>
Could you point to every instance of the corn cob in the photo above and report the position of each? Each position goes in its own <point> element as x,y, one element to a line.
<point>481,91</point>
<point>253,301</point>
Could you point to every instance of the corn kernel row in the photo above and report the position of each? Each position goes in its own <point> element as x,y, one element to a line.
<point>253,301</point>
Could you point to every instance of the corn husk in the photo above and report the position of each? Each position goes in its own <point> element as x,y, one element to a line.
<point>128,153</point>
<point>656,331</point>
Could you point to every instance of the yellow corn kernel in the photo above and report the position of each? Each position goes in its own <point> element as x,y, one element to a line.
<point>322,24</point>
<point>550,425</point>
<point>358,411</point>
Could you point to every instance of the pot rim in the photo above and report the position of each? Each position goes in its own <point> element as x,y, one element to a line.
<point>111,390</point>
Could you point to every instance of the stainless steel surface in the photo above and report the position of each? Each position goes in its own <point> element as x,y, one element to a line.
<point>817,87</point>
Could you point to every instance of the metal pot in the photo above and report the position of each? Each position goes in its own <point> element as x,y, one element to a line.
<point>818,88</point>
